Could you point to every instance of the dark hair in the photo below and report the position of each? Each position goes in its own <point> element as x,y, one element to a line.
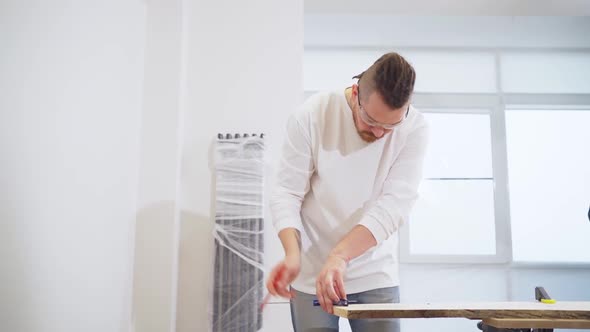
<point>392,77</point>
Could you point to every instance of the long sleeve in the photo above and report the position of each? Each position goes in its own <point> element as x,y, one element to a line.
<point>329,180</point>
<point>293,174</point>
<point>400,190</point>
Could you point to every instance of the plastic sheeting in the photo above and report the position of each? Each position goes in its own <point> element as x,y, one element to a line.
<point>238,232</point>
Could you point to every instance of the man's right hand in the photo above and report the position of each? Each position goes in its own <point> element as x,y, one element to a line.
<point>282,275</point>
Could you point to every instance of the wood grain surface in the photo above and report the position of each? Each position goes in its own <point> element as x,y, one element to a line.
<point>515,323</point>
<point>481,310</point>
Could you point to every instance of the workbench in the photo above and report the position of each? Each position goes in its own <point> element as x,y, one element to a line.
<point>494,316</point>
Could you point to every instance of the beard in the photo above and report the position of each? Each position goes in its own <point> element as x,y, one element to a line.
<point>365,135</point>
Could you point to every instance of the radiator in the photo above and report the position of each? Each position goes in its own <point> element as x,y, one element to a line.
<point>238,232</point>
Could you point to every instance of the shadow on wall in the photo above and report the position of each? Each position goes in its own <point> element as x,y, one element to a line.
<point>19,291</point>
<point>196,259</point>
<point>195,268</point>
<point>153,296</point>
<point>153,266</point>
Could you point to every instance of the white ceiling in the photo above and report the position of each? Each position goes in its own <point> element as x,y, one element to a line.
<point>450,7</point>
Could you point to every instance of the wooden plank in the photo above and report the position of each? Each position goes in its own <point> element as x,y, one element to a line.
<point>481,310</point>
<point>508,323</point>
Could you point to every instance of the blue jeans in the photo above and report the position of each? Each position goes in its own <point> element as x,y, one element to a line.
<point>307,318</point>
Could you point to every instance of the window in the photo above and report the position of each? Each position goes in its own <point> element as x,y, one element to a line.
<point>549,179</point>
<point>326,70</point>
<point>457,196</point>
<point>439,71</point>
<point>448,72</point>
<point>552,72</point>
<point>485,165</point>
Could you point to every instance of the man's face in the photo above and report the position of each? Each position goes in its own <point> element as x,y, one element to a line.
<point>372,117</point>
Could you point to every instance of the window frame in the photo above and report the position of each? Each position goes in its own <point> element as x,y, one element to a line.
<point>469,104</point>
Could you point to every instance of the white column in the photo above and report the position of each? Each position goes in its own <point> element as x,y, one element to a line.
<point>156,240</point>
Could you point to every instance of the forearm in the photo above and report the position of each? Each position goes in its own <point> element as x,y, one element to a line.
<point>291,240</point>
<point>354,244</point>
<point>330,281</point>
<point>400,189</point>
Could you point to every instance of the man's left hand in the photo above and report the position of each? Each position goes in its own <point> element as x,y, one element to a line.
<point>330,284</point>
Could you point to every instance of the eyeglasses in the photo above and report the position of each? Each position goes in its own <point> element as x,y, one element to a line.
<point>369,121</point>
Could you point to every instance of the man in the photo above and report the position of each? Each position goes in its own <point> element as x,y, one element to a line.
<point>348,177</point>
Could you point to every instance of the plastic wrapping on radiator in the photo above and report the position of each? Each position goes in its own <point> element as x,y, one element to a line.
<point>238,278</point>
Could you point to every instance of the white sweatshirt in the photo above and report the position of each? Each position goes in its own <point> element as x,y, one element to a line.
<point>330,180</point>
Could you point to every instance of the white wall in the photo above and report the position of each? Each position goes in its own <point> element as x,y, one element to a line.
<point>445,31</point>
<point>243,74</point>
<point>70,97</point>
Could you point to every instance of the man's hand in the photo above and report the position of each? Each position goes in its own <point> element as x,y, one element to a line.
<point>282,275</point>
<point>330,284</point>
